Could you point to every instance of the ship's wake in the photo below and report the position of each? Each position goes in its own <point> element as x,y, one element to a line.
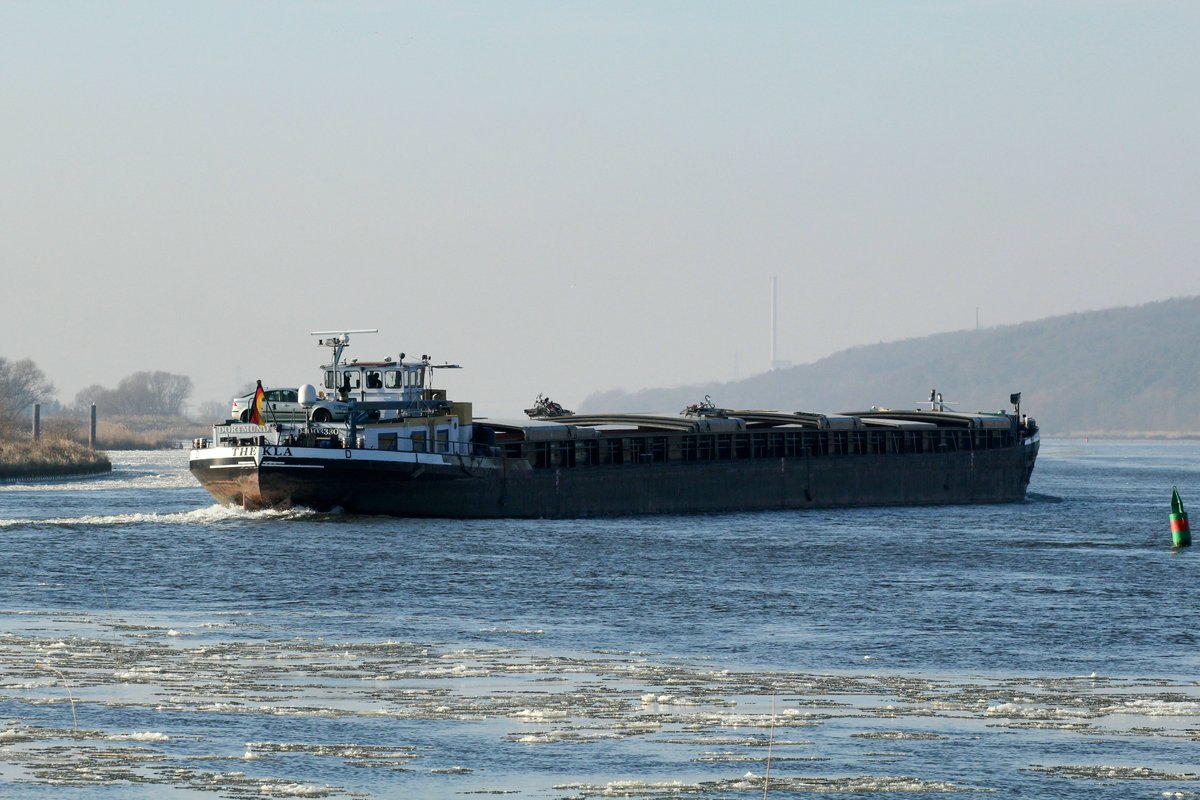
<point>210,515</point>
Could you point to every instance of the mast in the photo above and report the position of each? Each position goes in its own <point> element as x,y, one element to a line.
<point>774,320</point>
<point>338,341</point>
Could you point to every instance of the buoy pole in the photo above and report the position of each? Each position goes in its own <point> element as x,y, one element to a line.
<point>1181,534</point>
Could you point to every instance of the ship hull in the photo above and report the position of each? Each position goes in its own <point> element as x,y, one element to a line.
<point>431,485</point>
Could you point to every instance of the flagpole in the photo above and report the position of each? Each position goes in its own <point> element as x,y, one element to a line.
<point>270,410</point>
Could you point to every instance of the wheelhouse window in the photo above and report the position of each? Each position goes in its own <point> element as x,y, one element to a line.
<point>392,379</point>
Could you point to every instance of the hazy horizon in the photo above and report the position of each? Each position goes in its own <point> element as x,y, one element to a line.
<point>567,198</point>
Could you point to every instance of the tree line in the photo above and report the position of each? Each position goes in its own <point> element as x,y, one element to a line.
<point>157,394</point>
<point>147,393</point>
<point>21,385</point>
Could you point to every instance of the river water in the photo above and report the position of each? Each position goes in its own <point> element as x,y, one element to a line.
<point>154,645</point>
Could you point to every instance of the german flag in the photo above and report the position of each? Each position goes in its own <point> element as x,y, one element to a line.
<point>256,407</point>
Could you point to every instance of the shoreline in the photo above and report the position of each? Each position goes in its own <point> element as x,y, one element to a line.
<point>57,458</point>
<point>10,473</point>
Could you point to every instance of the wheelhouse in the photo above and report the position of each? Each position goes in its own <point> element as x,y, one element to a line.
<point>381,380</point>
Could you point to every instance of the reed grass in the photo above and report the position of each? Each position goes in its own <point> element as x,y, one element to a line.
<point>127,432</point>
<point>119,435</point>
<point>48,457</point>
<point>63,447</point>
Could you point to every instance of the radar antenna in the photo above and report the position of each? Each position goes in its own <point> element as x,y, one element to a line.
<point>338,341</point>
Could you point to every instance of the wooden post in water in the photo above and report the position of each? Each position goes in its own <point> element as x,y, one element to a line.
<point>37,422</point>
<point>92,429</point>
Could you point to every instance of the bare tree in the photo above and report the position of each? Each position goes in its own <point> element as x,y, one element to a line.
<point>167,392</point>
<point>92,394</point>
<point>157,394</point>
<point>21,385</point>
<point>212,411</point>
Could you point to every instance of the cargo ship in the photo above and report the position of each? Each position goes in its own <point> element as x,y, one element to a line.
<point>404,449</point>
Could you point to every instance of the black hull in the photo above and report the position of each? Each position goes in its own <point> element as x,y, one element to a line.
<point>502,487</point>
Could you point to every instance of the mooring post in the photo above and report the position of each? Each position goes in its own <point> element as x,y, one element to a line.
<point>92,429</point>
<point>37,422</point>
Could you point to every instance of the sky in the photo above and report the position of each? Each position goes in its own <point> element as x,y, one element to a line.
<point>573,197</point>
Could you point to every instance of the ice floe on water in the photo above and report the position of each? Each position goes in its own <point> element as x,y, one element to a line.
<point>514,631</point>
<point>295,790</point>
<point>1032,711</point>
<point>1154,707</point>
<point>760,784</point>
<point>145,736</point>
<point>1115,772</point>
<point>293,716</point>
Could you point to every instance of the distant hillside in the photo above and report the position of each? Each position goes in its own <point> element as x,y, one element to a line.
<point>1123,371</point>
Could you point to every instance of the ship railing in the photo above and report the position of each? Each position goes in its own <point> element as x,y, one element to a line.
<point>466,449</point>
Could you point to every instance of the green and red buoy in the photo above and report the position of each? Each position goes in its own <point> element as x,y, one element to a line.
<point>1181,535</point>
